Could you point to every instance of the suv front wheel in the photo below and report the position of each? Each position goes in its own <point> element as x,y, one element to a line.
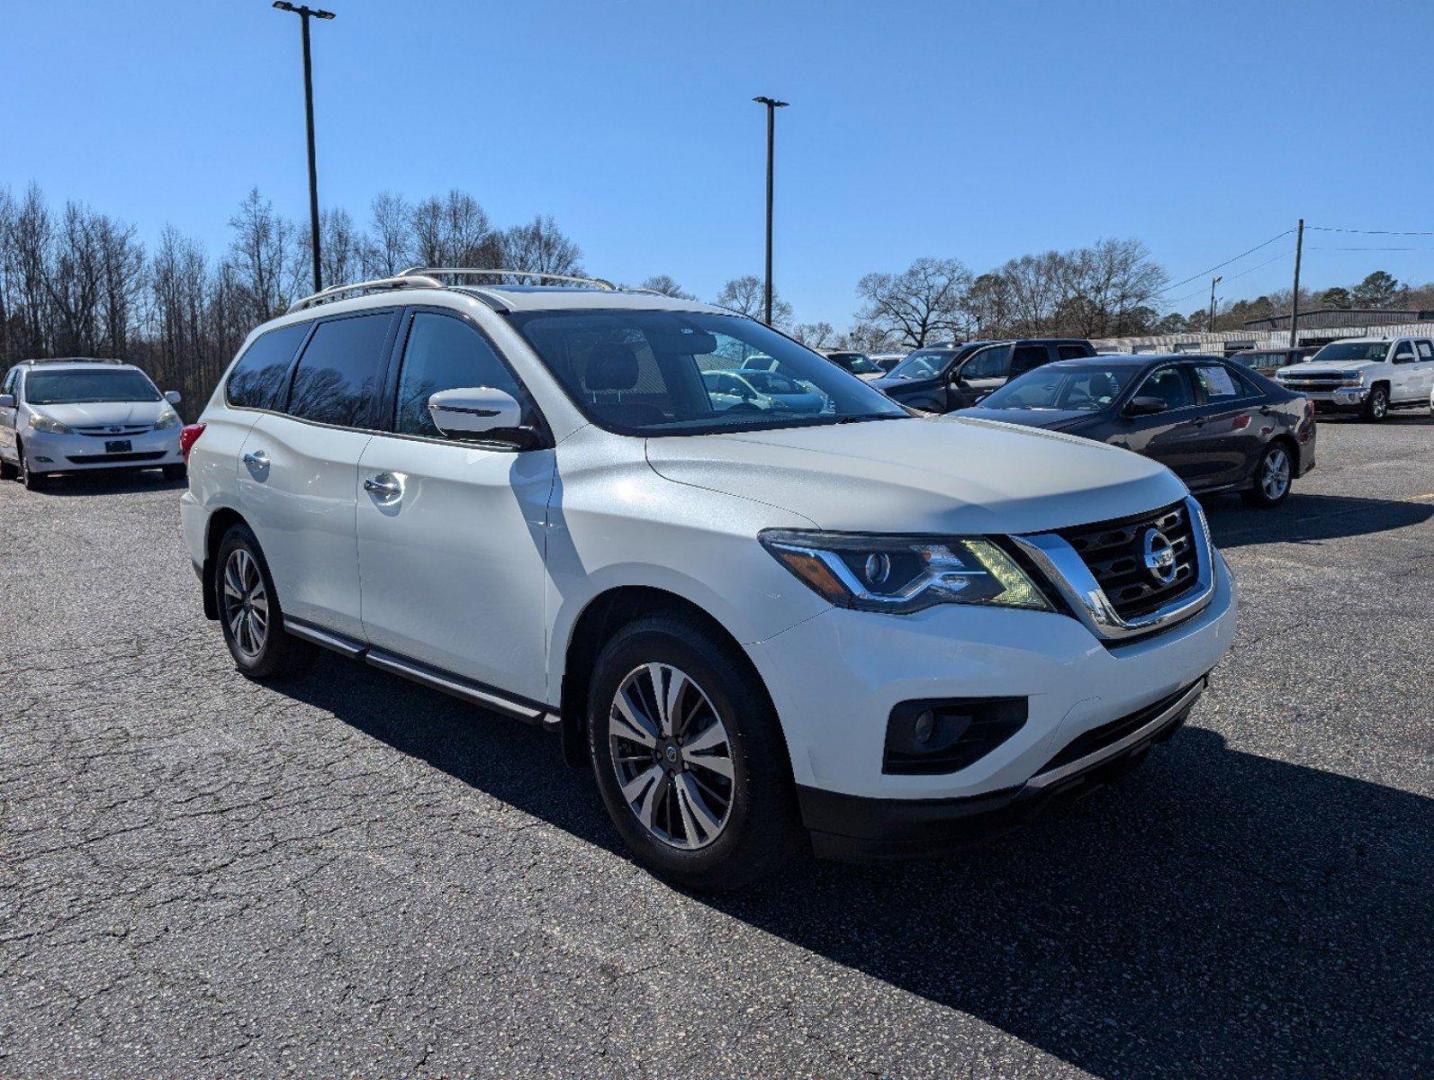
<point>1376,406</point>
<point>249,610</point>
<point>688,756</point>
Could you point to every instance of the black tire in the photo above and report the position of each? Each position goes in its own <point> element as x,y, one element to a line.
<point>8,471</point>
<point>1267,489</point>
<point>278,653</point>
<point>1376,406</point>
<point>759,827</point>
<point>174,472</point>
<point>33,481</point>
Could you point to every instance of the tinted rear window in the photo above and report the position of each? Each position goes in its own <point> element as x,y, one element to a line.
<point>258,377</point>
<point>340,375</point>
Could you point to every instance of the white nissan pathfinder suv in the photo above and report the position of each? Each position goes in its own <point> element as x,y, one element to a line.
<point>72,415</point>
<point>849,628</point>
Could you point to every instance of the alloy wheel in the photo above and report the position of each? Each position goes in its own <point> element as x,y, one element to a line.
<point>1379,405</point>
<point>672,755</point>
<point>246,604</point>
<point>1275,474</point>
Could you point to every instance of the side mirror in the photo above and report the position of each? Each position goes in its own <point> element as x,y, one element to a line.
<point>7,401</point>
<point>466,412</point>
<point>172,396</point>
<point>1145,406</point>
<point>1404,358</point>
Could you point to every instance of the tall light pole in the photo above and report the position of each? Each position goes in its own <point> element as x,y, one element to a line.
<point>1213,282</point>
<point>772,106</point>
<point>305,14</point>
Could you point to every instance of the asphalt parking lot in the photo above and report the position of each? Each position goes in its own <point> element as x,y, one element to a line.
<point>349,875</point>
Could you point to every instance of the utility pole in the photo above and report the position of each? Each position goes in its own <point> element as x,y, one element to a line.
<point>1295,299</point>
<point>1213,282</point>
<point>305,14</point>
<point>772,106</point>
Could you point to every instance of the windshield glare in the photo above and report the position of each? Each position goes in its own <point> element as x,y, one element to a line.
<point>856,363</point>
<point>923,364</point>
<point>1080,389</point>
<point>684,373</point>
<point>80,385</point>
<point>1352,350</point>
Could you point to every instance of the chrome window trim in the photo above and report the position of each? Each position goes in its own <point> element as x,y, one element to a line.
<point>1070,576</point>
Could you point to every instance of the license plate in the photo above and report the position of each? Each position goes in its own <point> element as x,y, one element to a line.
<point>117,446</point>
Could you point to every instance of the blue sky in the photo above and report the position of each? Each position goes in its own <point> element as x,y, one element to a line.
<point>979,131</point>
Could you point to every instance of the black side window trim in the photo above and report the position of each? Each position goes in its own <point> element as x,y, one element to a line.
<point>386,421</point>
<point>395,315</point>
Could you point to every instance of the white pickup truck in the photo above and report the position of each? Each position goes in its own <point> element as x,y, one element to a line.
<point>1365,375</point>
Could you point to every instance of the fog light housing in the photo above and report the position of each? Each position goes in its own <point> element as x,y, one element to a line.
<point>941,735</point>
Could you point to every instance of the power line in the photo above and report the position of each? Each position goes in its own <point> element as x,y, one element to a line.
<point>1368,232</point>
<point>1233,277</point>
<point>1369,249</point>
<point>1227,262</point>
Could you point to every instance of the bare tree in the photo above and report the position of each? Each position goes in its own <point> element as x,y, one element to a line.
<point>813,335</point>
<point>391,247</point>
<point>540,246</point>
<point>918,305</point>
<point>341,253</point>
<point>453,231</point>
<point>744,295</point>
<point>122,283</point>
<point>263,258</point>
<point>667,286</point>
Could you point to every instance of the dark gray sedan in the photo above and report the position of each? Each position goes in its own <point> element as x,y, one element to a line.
<point>1217,425</point>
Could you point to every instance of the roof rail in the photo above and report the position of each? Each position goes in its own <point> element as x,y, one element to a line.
<point>406,280</point>
<point>74,360</point>
<point>468,271</point>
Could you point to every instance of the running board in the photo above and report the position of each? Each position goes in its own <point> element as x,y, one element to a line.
<point>436,678</point>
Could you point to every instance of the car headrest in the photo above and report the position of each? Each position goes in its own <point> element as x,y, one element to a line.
<point>612,366</point>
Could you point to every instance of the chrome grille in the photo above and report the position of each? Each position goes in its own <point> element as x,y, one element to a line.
<point>114,431</point>
<point>1114,553</point>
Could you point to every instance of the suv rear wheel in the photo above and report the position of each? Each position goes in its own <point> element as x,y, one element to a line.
<point>688,756</point>
<point>249,610</point>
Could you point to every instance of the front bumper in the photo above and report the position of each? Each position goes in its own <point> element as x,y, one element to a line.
<point>1339,399</point>
<point>835,679</point>
<point>852,827</point>
<point>46,452</point>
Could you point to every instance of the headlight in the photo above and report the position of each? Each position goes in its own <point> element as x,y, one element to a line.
<point>44,423</point>
<point>169,419</point>
<point>904,574</point>
<point>1354,378</point>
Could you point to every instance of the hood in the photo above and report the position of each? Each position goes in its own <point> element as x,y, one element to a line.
<point>929,475</point>
<point>888,385</point>
<point>105,413</point>
<point>1330,367</point>
<point>1049,419</point>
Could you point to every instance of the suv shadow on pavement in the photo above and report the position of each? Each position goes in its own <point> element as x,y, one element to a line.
<point>1216,913</point>
<point>1309,518</point>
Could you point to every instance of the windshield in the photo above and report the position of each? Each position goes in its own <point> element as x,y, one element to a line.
<point>1259,359</point>
<point>681,373</point>
<point>88,384</point>
<point>923,364</point>
<point>856,363</point>
<point>1352,350</point>
<point>1080,389</point>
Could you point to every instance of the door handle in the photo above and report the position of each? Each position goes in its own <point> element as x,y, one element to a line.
<point>384,485</point>
<point>256,458</point>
